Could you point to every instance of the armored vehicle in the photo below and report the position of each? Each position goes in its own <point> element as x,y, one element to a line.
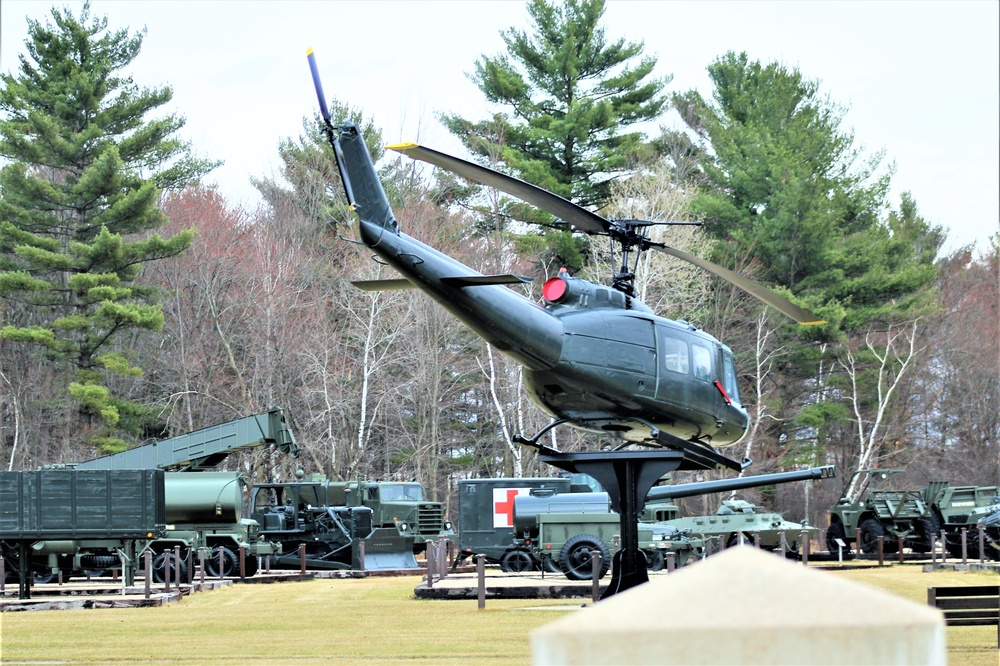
<point>398,506</point>
<point>736,520</point>
<point>955,507</point>
<point>878,510</point>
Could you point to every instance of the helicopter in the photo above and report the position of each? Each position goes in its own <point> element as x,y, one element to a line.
<point>595,357</point>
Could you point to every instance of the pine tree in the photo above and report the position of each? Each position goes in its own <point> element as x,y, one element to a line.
<point>572,96</point>
<point>78,206</point>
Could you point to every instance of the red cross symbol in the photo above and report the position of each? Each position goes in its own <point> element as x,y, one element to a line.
<point>503,506</point>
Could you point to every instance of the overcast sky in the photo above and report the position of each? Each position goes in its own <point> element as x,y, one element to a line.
<point>921,79</point>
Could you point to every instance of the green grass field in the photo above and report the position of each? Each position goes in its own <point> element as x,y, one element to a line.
<point>359,621</point>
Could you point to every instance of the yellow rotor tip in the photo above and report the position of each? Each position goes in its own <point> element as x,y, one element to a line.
<point>309,51</point>
<point>403,147</point>
<point>813,323</point>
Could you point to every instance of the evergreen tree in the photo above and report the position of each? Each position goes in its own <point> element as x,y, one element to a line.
<point>78,206</point>
<point>572,96</point>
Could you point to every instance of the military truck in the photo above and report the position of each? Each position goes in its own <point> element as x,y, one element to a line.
<point>486,516</point>
<point>876,510</point>
<point>69,520</point>
<point>311,513</point>
<point>736,520</point>
<point>397,505</point>
<point>955,507</point>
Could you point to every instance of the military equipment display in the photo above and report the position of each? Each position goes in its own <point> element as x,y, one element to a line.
<point>560,532</point>
<point>594,357</point>
<point>310,513</point>
<point>72,520</point>
<point>205,509</point>
<point>953,508</point>
<point>503,518</point>
<point>878,510</point>
<point>396,505</point>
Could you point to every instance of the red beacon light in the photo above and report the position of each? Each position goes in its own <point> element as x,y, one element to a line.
<point>555,288</point>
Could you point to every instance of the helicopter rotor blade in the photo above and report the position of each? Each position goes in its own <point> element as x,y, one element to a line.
<point>759,291</point>
<point>569,212</point>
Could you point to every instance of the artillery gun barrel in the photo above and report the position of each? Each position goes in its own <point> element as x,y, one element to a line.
<point>659,493</point>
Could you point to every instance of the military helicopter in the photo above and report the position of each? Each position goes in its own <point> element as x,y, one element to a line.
<point>594,357</point>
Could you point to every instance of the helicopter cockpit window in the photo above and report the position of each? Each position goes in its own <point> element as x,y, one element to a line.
<point>675,354</point>
<point>702,357</point>
<point>729,377</point>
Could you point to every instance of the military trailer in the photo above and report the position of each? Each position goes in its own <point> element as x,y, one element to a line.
<point>396,505</point>
<point>877,509</point>
<point>953,508</point>
<point>72,520</point>
<point>310,513</point>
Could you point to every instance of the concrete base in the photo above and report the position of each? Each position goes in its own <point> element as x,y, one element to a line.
<point>743,606</point>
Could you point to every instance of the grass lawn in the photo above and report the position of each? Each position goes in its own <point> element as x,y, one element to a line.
<point>363,621</point>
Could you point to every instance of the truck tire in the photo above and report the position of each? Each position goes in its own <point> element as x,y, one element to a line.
<point>230,563</point>
<point>549,565</point>
<point>654,560</point>
<point>834,532</point>
<point>576,560</point>
<point>164,563</point>
<point>516,561</point>
<point>927,529</point>
<point>871,530</point>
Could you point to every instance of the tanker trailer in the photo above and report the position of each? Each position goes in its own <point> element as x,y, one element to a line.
<point>205,510</point>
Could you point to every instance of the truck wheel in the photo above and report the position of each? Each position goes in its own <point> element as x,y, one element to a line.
<point>654,560</point>
<point>251,565</point>
<point>230,563</point>
<point>930,529</point>
<point>836,531</point>
<point>576,560</point>
<point>163,564</point>
<point>871,530</point>
<point>516,561</point>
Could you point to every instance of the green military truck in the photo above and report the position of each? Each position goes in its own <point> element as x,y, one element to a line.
<point>486,516</point>
<point>878,509</point>
<point>397,505</point>
<point>953,508</point>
